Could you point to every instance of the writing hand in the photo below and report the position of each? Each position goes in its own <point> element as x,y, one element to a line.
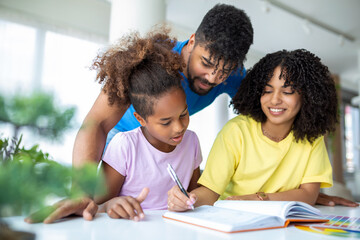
<point>178,202</point>
<point>126,206</point>
<point>84,207</point>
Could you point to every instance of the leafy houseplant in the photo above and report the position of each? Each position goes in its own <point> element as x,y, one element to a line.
<point>28,177</point>
<point>38,112</point>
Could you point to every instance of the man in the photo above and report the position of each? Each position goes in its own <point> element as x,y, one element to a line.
<point>213,58</point>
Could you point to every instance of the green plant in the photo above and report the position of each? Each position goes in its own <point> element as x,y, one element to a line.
<point>28,177</point>
<point>38,112</point>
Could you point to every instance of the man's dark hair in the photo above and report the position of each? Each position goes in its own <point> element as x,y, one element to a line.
<point>226,32</point>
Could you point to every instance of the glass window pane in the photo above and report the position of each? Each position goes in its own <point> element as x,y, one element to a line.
<point>17,56</point>
<point>67,74</point>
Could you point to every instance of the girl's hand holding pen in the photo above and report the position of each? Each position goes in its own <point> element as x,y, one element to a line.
<point>126,206</point>
<point>178,202</point>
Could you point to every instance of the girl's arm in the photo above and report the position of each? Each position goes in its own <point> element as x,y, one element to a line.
<point>193,182</point>
<point>179,199</point>
<point>120,207</point>
<point>178,202</point>
<point>307,192</point>
<point>114,181</point>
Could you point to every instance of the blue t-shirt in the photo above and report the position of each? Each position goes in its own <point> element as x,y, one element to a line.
<point>194,101</point>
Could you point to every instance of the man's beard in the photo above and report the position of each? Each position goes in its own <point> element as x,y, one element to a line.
<point>192,80</point>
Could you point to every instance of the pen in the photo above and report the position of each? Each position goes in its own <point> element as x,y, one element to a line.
<point>177,181</point>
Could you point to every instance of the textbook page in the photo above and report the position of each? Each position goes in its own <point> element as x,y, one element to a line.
<point>225,220</point>
<point>283,209</point>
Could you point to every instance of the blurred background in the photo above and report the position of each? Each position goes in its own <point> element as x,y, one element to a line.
<point>47,47</point>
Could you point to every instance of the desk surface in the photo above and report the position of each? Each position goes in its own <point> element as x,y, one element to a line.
<point>155,227</point>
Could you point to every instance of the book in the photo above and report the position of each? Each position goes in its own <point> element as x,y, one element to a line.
<point>337,225</point>
<point>239,216</point>
<point>350,223</point>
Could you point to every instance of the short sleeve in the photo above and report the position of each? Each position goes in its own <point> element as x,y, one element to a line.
<point>222,160</point>
<point>318,168</point>
<point>116,153</point>
<point>198,155</point>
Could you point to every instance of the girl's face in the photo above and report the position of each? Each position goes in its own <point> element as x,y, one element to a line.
<point>165,128</point>
<point>280,104</point>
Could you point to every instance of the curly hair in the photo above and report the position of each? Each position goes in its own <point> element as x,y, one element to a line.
<point>305,73</point>
<point>226,32</point>
<point>139,70</point>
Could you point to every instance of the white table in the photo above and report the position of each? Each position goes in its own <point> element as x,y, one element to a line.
<point>155,227</point>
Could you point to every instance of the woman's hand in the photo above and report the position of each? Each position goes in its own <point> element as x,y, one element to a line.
<point>126,207</point>
<point>328,200</point>
<point>178,202</point>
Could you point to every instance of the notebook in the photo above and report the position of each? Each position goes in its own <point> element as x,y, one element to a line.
<point>240,216</point>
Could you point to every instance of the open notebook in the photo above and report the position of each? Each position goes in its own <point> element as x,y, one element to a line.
<point>239,216</point>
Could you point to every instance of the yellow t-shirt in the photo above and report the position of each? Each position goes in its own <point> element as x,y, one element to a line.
<point>243,161</point>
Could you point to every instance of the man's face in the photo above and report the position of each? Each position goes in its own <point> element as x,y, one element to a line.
<point>202,72</point>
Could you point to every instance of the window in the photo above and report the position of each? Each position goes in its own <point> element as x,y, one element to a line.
<point>33,58</point>
<point>352,145</point>
<point>17,56</point>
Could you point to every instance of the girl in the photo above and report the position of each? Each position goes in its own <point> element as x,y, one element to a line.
<point>275,149</point>
<point>144,72</point>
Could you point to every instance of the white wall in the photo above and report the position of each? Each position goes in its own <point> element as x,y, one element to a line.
<point>88,19</point>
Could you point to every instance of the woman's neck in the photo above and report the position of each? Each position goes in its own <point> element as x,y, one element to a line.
<point>275,132</point>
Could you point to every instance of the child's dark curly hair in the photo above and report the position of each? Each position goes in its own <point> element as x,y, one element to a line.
<point>226,32</point>
<point>139,70</point>
<point>304,72</point>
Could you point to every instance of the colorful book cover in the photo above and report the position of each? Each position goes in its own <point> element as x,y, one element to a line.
<point>339,226</point>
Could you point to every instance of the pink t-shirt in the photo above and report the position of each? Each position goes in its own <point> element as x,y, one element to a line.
<point>142,165</point>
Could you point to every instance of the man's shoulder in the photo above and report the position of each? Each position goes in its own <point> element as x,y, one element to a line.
<point>179,46</point>
<point>236,77</point>
<point>232,83</point>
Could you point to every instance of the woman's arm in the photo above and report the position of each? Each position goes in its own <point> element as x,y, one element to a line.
<point>123,206</point>
<point>327,200</point>
<point>307,192</point>
<point>205,196</point>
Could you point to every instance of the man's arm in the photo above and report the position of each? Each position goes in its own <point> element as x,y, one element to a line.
<point>88,147</point>
<point>82,206</point>
<point>91,138</point>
